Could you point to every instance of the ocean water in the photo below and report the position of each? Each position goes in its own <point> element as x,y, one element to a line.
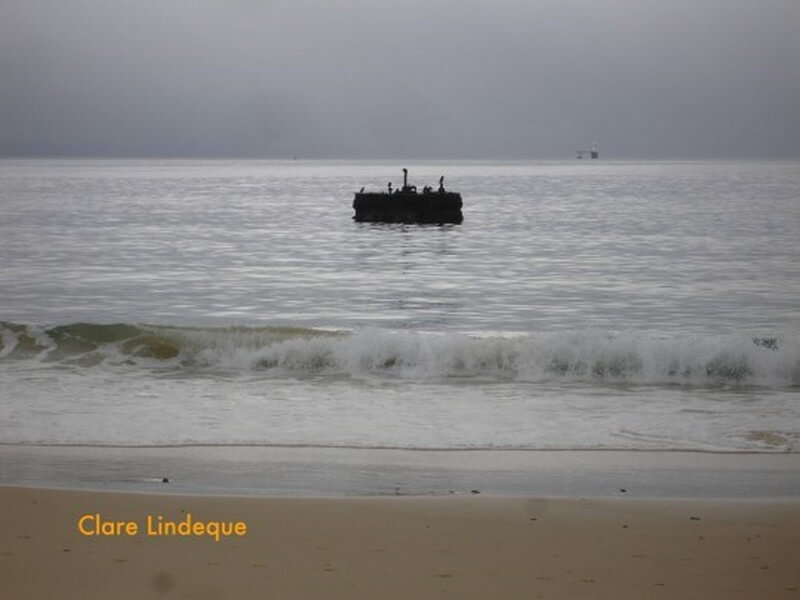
<point>580,305</point>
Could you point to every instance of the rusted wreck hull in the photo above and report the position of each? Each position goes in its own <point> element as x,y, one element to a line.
<point>408,207</point>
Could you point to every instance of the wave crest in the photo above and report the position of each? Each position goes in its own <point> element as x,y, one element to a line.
<point>586,356</point>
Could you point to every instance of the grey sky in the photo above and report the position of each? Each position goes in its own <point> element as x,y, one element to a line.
<point>391,79</point>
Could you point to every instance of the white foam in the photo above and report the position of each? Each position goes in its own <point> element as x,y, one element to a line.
<point>586,356</point>
<point>9,341</point>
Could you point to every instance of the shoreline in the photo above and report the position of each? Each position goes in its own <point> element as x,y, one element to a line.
<point>278,523</point>
<point>419,547</point>
<point>324,472</point>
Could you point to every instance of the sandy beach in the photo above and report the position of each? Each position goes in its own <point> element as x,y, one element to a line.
<point>473,546</point>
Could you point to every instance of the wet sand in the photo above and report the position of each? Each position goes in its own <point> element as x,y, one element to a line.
<point>308,471</point>
<point>465,546</point>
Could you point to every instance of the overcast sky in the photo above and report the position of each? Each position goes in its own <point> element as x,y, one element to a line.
<point>400,79</point>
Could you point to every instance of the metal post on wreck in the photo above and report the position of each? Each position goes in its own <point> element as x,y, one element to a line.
<point>408,188</point>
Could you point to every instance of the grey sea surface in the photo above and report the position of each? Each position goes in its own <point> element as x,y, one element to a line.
<point>581,305</point>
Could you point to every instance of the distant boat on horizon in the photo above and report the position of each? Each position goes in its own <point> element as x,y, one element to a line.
<point>593,152</point>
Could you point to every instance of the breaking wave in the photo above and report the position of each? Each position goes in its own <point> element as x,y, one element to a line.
<point>586,356</point>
